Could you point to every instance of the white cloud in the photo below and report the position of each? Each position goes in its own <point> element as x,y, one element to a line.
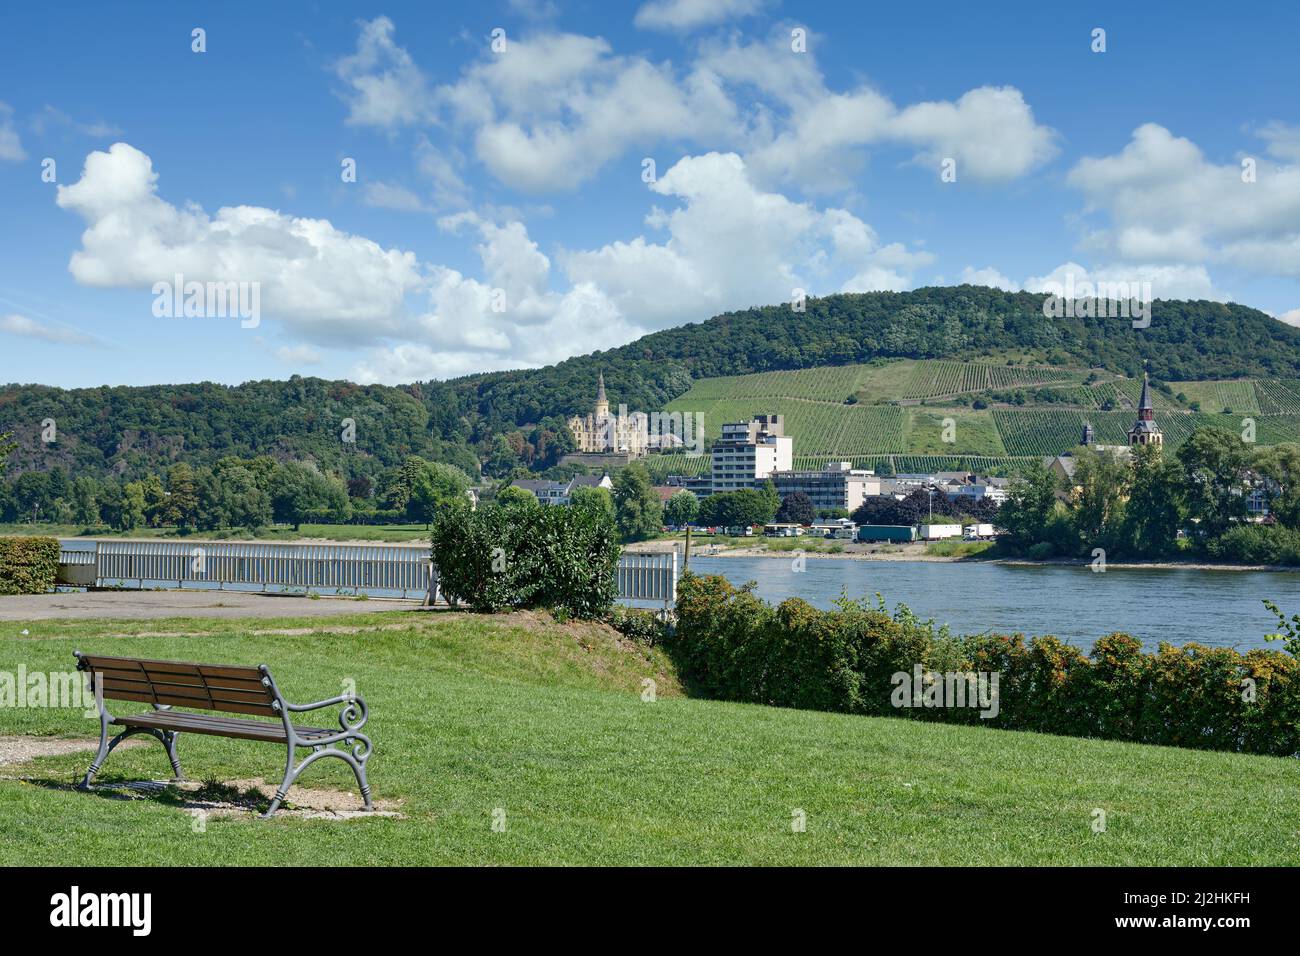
<point>1167,281</point>
<point>689,14</point>
<point>387,89</point>
<point>31,329</point>
<point>384,195</point>
<point>298,355</point>
<point>11,146</point>
<point>1290,318</point>
<point>1283,140</point>
<point>731,245</point>
<point>50,119</point>
<point>553,109</point>
<point>323,282</point>
<point>1164,201</point>
<point>988,277</point>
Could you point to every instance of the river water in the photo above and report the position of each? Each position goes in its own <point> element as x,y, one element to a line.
<point>1076,604</point>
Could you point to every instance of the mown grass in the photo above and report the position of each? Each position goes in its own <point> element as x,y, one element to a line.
<point>547,723</point>
<point>400,533</point>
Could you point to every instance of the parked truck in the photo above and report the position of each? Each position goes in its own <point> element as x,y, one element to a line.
<point>887,532</point>
<point>977,532</point>
<point>937,532</point>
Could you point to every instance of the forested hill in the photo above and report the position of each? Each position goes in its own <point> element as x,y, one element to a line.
<point>1185,341</point>
<point>131,431</point>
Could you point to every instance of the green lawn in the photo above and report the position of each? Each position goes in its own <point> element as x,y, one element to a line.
<point>546,722</point>
<point>401,533</point>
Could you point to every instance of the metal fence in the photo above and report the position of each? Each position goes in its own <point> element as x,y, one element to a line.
<point>339,567</point>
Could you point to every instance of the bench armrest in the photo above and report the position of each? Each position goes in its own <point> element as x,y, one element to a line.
<point>351,718</point>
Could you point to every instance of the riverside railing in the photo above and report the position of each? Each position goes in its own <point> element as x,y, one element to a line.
<point>390,568</point>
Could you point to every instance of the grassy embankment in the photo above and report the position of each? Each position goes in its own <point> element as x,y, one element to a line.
<point>547,723</point>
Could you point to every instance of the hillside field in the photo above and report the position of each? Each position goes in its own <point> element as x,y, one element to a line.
<point>545,724</point>
<point>902,409</point>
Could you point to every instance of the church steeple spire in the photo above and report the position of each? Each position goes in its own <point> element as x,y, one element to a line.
<point>602,402</point>
<point>1145,431</point>
<point>1146,412</point>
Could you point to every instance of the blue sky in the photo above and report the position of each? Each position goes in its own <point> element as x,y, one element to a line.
<point>501,215</point>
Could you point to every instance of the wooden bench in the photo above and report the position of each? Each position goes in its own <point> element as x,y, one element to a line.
<point>226,689</point>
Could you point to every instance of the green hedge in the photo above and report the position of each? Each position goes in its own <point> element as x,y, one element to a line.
<point>498,557</point>
<point>28,565</point>
<point>730,645</point>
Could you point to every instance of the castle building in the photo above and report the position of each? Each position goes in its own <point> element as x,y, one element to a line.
<point>599,432</point>
<point>1145,431</point>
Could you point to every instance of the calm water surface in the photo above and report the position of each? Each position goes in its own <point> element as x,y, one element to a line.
<point>1074,603</point>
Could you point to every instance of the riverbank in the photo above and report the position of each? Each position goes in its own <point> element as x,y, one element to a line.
<point>917,552</point>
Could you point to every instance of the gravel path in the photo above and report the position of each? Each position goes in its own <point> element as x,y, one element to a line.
<point>147,605</point>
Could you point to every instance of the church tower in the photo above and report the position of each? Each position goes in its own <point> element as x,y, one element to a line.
<point>1145,431</point>
<point>602,403</point>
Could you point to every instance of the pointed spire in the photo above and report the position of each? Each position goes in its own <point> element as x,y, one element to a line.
<point>1145,409</point>
<point>600,389</point>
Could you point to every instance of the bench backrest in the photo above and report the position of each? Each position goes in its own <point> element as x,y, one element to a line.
<point>229,688</point>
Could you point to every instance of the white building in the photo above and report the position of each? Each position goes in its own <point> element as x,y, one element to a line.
<point>559,492</point>
<point>747,453</point>
<point>838,485</point>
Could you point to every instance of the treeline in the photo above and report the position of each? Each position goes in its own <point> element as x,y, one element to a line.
<point>1205,500</point>
<point>1185,341</point>
<point>505,421</point>
<point>233,493</point>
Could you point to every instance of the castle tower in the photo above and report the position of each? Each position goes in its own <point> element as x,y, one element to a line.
<point>602,403</point>
<point>1088,437</point>
<point>1145,431</point>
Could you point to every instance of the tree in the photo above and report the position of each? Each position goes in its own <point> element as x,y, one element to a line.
<point>1280,465</point>
<point>1216,465</point>
<point>155,500</point>
<point>640,514</point>
<point>1154,511</point>
<point>436,486</point>
<point>182,507</point>
<point>1030,506</point>
<point>512,497</point>
<point>31,493</point>
<point>123,506</point>
<point>1101,484</point>
<point>85,501</point>
<point>771,501</point>
<point>301,493</point>
<point>796,508</point>
<point>593,498</point>
<point>735,509</point>
<point>682,508</point>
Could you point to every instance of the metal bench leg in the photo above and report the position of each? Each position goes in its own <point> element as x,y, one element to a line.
<point>289,774</point>
<point>106,748</point>
<point>100,757</point>
<point>170,738</point>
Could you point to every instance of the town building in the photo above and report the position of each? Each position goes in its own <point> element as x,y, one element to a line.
<point>747,453</point>
<point>560,492</point>
<point>838,485</point>
<point>599,432</point>
<point>1145,431</point>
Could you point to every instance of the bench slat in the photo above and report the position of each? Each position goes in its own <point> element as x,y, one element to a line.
<point>218,687</point>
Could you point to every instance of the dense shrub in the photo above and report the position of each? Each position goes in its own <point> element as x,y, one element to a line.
<point>728,644</point>
<point>498,557</point>
<point>637,624</point>
<point>28,565</point>
<point>1256,544</point>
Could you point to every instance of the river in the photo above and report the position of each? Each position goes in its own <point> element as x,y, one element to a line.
<point>1177,605</point>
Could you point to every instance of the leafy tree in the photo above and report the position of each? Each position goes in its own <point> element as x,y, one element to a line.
<point>735,509</point>
<point>595,498</point>
<point>85,501</point>
<point>639,511</point>
<point>1154,511</point>
<point>682,508</point>
<point>31,492</point>
<point>182,507</point>
<point>155,500</point>
<point>771,500</point>
<point>797,508</point>
<point>512,497</point>
<point>435,486</point>
<point>1030,505</point>
<point>1280,464</point>
<point>1216,465</point>
<point>1101,484</point>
